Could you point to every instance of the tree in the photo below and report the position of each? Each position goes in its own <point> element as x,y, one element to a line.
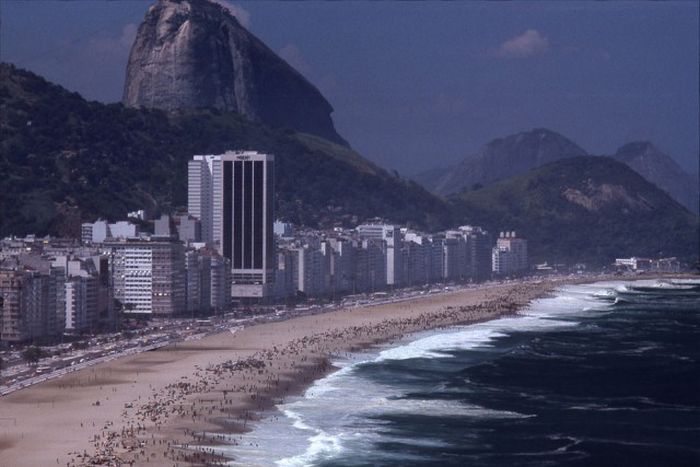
<point>32,354</point>
<point>79,345</point>
<point>118,309</point>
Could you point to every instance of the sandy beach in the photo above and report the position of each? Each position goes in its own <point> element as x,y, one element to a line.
<point>147,408</point>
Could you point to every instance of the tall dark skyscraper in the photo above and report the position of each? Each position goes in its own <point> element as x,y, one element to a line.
<point>239,188</point>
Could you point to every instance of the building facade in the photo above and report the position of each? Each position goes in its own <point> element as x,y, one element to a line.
<point>149,276</point>
<point>479,249</point>
<point>101,231</point>
<point>200,197</point>
<point>198,282</point>
<point>32,305</point>
<point>509,256</point>
<point>391,236</point>
<point>238,186</point>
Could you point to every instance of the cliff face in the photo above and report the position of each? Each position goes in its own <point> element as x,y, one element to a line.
<point>663,171</point>
<point>194,54</point>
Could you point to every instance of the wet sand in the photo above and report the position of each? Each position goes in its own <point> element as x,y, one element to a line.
<point>147,408</point>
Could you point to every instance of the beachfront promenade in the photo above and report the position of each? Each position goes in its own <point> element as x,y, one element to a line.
<point>151,408</point>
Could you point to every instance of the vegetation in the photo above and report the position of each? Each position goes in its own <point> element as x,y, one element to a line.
<point>80,345</point>
<point>32,354</point>
<point>617,213</point>
<point>65,160</point>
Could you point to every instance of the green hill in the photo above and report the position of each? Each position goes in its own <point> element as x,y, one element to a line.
<point>65,160</point>
<point>589,209</point>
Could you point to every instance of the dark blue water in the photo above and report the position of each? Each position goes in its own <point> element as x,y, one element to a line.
<point>579,380</point>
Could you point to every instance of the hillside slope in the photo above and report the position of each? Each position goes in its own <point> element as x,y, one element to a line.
<point>65,160</point>
<point>663,171</point>
<point>500,159</point>
<point>516,154</point>
<point>589,209</point>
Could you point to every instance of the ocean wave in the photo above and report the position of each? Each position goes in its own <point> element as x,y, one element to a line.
<point>366,403</point>
<point>475,336</point>
<point>438,346</point>
<point>328,414</point>
<point>562,310</point>
<point>321,446</point>
<point>437,408</point>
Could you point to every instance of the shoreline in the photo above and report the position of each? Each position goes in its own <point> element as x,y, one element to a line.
<point>318,363</point>
<point>149,408</point>
<point>302,380</point>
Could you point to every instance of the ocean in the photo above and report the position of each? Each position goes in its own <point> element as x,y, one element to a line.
<point>604,374</point>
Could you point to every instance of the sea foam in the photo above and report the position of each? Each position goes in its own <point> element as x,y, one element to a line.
<point>343,411</point>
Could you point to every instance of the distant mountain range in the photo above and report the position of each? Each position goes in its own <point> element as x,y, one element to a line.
<point>516,154</point>
<point>584,209</point>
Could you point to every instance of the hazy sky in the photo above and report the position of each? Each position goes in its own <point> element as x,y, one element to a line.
<point>422,84</point>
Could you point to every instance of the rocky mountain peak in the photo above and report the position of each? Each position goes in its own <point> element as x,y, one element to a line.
<point>539,133</point>
<point>540,144</point>
<point>502,158</point>
<point>659,168</point>
<point>195,54</point>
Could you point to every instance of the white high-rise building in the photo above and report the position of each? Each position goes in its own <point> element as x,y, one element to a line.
<point>199,193</point>
<point>313,268</point>
<point>148,275</point>
<point>100,230</point>
<point>479,257</point>
<point>390,235</point>
<point>232,194</point>
<point>82,290</point>
<point>510,254</point>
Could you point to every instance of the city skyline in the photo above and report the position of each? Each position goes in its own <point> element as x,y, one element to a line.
<point>245,261</point>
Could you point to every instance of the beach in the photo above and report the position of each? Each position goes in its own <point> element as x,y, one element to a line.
<point>150,407</point>
<point>558,383</point>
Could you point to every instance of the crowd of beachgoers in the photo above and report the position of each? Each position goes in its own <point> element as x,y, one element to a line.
<point>176,424</point>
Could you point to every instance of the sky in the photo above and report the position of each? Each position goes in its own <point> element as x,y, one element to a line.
<point>418,85</point>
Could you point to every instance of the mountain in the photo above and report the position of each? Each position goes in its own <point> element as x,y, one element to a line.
<point>500,159</point>
<point>65,161</point>
<point>191,54</point>
<point>587,209</point>
<point>663,171</point>
<point>516,154</point>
